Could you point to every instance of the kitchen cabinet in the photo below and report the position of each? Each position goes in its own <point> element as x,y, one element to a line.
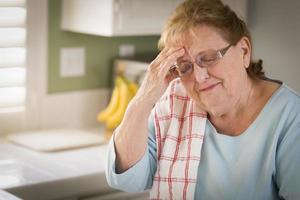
<point>125,17</point>
<point>116,17</point>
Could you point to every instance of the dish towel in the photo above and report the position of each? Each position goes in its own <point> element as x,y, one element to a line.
<point>179,127</point>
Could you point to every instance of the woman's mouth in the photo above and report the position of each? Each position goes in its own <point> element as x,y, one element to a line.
<point>208,87</point>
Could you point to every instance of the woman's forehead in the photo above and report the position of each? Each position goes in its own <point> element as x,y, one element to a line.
<point>200,38</point>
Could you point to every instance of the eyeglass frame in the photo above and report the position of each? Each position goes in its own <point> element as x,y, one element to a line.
<point>220,52</point>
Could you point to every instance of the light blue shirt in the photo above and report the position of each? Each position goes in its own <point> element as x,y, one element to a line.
<point>260,164</point>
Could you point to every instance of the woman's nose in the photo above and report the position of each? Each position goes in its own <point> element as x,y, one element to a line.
<point>201,74</point>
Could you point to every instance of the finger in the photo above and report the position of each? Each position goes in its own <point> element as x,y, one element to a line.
<point>167,52</point>
<point>159,62</point>
<point>161,54</point>
<point>170,60</point>
<point>171,51</point>
<point>165,62</point>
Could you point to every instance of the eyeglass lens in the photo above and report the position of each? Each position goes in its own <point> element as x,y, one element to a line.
<point>204,59</point>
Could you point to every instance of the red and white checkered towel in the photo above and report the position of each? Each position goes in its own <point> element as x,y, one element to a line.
<point>180,127</point>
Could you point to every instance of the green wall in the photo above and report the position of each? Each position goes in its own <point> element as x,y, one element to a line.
<point>100,52</point>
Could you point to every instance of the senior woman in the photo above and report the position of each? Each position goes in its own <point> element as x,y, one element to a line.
<point>206,123</point>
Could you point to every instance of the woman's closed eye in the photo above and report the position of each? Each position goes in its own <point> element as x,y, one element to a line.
<point>185,67</point>
<point>208,57</point>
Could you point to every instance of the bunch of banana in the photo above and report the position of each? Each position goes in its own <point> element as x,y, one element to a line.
<point>122,93</point>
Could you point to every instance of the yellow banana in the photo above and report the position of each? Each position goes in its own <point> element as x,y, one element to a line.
<point>125,96</point>
<point>133,87</point>
<point>113,104</point>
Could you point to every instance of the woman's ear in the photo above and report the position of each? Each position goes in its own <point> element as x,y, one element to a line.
<point>245,46</point>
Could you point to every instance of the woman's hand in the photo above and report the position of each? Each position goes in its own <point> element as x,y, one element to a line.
<point>157,77</point>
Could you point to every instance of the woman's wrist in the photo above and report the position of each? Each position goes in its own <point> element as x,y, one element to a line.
<point>142,102</point>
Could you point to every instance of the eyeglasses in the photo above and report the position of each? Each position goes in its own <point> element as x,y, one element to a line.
<point>204,59</point>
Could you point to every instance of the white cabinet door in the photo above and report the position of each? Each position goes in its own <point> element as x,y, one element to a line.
<point>88,16</point>
<point>125,17</point>
<point>116,17</point>
<point>141,17</point>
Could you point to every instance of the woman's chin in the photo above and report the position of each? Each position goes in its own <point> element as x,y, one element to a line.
<point>212,101</point>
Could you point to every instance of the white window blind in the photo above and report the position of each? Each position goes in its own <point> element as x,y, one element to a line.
<point>12,54</point>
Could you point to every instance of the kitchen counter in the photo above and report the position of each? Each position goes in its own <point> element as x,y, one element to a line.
<point>67,174</point>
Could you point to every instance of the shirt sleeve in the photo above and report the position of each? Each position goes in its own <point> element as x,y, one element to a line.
<point>288,163</point>
<point>140,176</point>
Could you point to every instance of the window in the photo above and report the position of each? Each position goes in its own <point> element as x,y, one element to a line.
<point>12,55</point>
